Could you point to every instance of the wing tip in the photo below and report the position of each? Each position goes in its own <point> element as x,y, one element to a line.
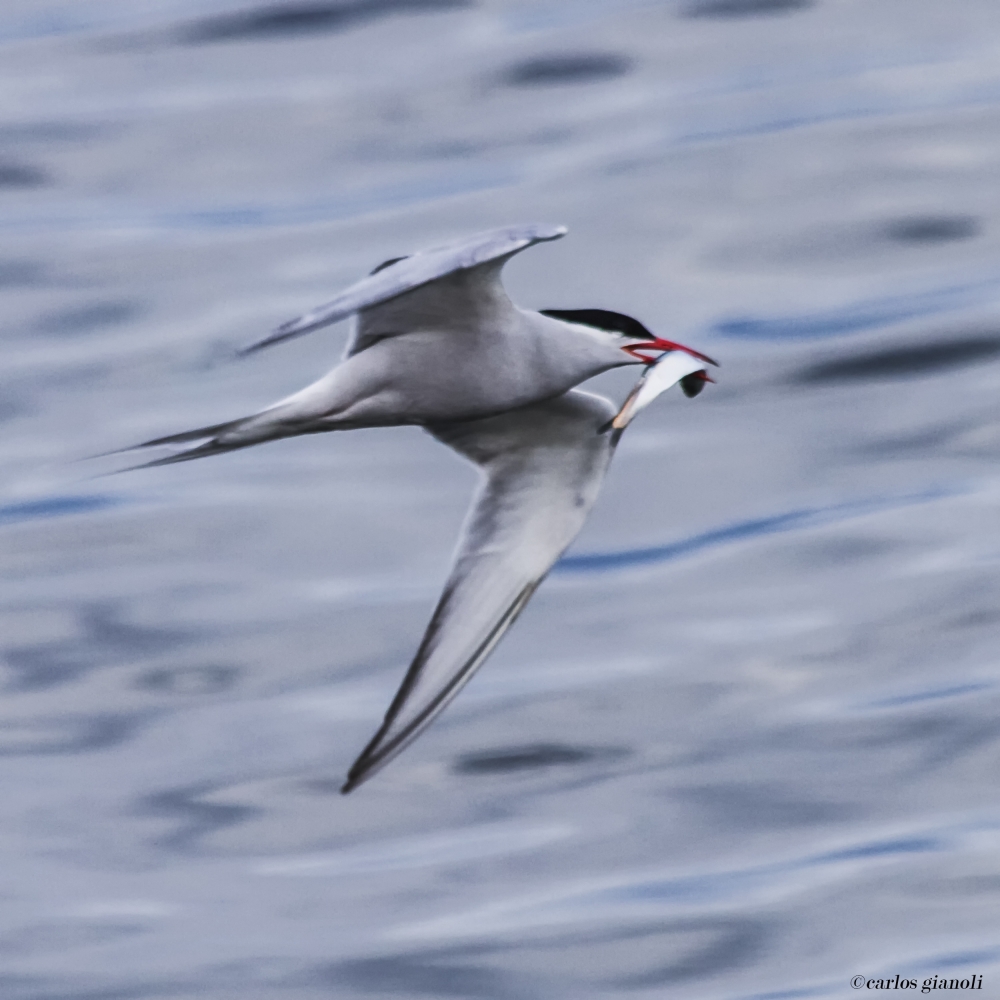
<point>360,771</point>
<point>544,231</point>
<point>528,233</point>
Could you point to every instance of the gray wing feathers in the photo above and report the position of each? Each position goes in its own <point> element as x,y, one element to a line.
<point>543,467</point>
<point>411,272</point>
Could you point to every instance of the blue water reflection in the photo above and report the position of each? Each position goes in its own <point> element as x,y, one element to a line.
<point>859,316</point>
<point>59,506</point>
<point>754,528</point>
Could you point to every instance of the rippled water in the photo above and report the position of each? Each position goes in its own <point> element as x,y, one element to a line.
<point>744,742</point>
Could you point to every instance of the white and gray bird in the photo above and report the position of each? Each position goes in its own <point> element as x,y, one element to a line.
<point>438,343</point>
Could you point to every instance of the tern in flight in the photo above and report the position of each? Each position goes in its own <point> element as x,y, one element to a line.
<point>438,343</point>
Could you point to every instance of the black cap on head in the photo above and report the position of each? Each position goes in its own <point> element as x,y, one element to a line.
<point>603,319</point>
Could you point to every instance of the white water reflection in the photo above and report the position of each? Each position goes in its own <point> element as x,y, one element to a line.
<point>666,892</point>
<point>447,847</point>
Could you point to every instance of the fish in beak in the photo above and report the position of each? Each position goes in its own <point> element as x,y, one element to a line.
<point>677,364</point>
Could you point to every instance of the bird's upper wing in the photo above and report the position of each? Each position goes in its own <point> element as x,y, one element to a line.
<point>543,467</point>
<point>407,273</point>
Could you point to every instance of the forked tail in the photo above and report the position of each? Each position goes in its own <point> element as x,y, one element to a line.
<point>213,438</point>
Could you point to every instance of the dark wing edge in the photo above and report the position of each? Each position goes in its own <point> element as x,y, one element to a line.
<point>376,755</point>
<point>403,274</point>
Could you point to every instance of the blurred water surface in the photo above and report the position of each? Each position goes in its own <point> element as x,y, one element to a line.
<point>744,742</point>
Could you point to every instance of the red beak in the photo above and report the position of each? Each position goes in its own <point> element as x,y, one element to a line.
<point>656,344</point>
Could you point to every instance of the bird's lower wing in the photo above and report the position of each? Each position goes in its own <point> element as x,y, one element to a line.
<point>406,273</point>
<point>543,466</point>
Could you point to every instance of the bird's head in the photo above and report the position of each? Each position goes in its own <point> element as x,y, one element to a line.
<point>636,341</point>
